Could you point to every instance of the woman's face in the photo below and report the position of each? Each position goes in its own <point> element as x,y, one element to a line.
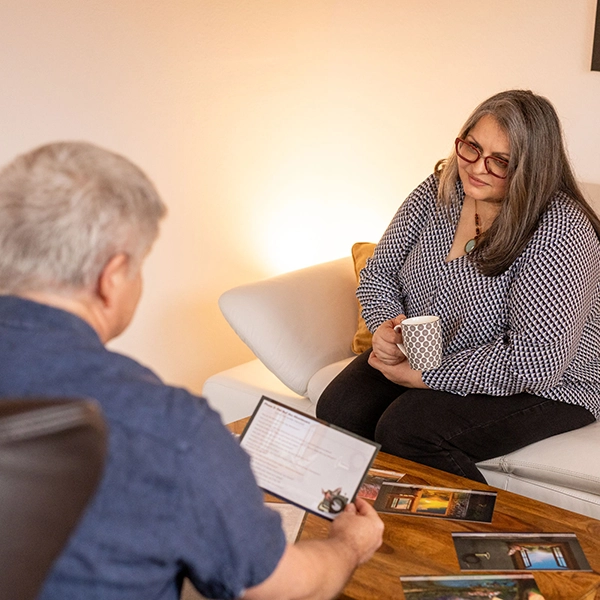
<point>491,140</point>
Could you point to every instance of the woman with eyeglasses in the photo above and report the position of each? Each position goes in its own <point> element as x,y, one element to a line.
<point>501,244</point>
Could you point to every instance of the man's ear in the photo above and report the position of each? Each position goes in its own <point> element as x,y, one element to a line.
<point>112,275</point>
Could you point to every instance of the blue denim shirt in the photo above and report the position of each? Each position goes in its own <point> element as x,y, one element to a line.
<point>177,497</point>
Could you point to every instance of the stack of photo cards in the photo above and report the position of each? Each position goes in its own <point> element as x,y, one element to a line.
<point>428,501</point>
<point>305,461</point>
<point>519,552</point>
<point>507,587</point>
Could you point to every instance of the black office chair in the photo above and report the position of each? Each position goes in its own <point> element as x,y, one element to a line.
<point>51,458</point>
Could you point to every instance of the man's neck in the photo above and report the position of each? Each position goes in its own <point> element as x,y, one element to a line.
<point>80,304</point>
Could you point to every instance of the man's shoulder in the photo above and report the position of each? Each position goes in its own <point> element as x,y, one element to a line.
<point>138,399</point>
<point>49,352</point>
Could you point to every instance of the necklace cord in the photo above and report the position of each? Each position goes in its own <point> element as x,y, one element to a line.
<point>470,245</point>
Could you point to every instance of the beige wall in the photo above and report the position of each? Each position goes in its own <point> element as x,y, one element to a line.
<point>278,131</point>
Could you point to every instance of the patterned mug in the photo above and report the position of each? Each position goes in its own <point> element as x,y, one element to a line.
<point>422,345</point>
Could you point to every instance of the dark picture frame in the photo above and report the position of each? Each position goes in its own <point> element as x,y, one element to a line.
<point>596,49</point>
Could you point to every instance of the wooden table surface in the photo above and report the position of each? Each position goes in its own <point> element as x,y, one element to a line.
<point>423,545</point>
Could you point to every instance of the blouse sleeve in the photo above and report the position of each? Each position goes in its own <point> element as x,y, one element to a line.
<point>380,291</point>
<point>548,306</point>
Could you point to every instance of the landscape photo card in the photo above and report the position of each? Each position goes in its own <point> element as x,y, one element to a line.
<point>459,587</point>
<point>369,490</point>
<point>428,501</point>
<point>305,461</point>
<point>519,552</point>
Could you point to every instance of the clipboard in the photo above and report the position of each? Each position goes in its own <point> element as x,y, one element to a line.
<point>305,461</point>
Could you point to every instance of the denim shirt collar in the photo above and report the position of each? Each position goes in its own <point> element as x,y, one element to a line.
<point>21,313</point>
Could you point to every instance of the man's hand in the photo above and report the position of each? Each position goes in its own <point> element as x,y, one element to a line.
<point>319,569</point>
<point>400,373</point>
<point>360,528</point>
<point>385,339</point>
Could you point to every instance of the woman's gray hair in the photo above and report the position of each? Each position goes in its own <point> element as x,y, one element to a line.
<point>539,168</point>
<point>65,210</point>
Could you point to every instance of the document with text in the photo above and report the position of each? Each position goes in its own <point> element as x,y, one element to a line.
<point>305,461</point>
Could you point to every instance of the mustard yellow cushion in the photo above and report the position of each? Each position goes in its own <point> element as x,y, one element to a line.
<point>361,251</point>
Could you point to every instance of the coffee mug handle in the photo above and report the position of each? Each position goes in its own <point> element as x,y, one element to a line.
<point>401,346</point>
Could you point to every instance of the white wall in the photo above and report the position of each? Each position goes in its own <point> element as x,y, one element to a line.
<point>278,131</point>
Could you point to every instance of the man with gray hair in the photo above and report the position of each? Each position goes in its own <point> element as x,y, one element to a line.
<point>177,497</point>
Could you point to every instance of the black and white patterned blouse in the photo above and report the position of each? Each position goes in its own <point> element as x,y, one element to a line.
<point>535,328</point>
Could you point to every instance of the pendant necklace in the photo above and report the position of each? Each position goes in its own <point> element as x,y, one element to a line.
<point>470,245</point>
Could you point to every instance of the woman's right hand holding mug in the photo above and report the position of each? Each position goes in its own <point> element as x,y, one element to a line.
<point>385,339</point>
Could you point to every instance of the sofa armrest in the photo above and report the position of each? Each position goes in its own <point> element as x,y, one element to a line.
<point>298,322</point>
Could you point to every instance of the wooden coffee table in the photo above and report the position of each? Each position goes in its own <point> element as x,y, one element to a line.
<point>423,545</point>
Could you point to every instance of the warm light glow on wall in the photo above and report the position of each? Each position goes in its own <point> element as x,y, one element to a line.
<point>316,215</point>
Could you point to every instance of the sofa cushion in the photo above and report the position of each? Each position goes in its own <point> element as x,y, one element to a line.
<point>563,497</point>
<point>361,251</point>
<point>563,460</point>
<point>321,379</point>
<point>299,322</point>
<point>234,393</point>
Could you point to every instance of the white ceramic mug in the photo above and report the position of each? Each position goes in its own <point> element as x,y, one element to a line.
<point>422,345</point>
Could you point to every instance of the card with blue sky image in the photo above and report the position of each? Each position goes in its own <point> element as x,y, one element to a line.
<point>519,552</point>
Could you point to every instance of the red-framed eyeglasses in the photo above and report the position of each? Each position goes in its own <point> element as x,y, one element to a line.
<point>498,167</point>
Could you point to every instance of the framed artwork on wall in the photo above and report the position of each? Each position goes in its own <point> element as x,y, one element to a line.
<point>596,49</point>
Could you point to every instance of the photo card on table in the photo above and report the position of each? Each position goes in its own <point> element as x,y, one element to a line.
<point>519,552</point>
<point>507,587</point>
<point>429,501</point>
<point>371,486</point>
<point>305,461</point>
<point>292,519</point>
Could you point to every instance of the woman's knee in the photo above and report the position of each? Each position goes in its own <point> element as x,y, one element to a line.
<point>329,404</point>
<point>357,397</point>
<point>340,401</point>
<point>408,421</point>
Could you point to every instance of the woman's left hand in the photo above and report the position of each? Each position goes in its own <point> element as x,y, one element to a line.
<point>400,373</point>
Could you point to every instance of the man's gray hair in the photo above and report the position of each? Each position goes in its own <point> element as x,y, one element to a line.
<point>65,210</point>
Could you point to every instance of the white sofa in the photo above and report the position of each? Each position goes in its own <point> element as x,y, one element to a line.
<point>300,326</point>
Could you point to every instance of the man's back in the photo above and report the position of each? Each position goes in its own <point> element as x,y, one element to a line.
<point>177,497</point>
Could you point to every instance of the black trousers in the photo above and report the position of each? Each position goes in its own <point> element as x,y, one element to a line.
<point>439,429</point>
